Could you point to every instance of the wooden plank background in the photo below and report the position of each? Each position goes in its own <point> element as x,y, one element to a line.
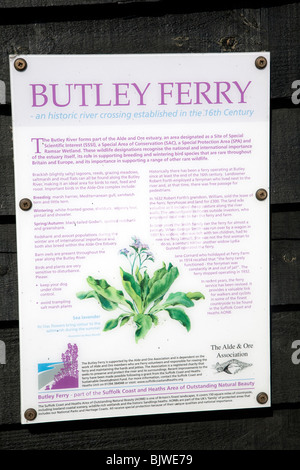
<point>108,26</point>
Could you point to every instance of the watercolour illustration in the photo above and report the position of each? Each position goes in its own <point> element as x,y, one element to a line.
<point>146,294</point>
<point>60,375</point>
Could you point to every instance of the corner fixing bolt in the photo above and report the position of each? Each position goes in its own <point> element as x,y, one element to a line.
<point>261,194</point>
<point>25,204</point>
<point>262,398</point>
<point>20,64</point>
<point>261,62</point>
<point>30,414</point>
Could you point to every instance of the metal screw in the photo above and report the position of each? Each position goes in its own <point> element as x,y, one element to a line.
<point>261,62</point>
<point>25,204</point>
<point>262,398</point>
<point>261,194</point>
<point>20,65</point>
<point>30,414</point>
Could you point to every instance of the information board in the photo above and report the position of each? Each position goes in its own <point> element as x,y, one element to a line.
<point>142,208</point>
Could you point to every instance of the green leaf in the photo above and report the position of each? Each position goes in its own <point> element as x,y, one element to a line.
<point>154,319</point>
<point>179,298</point>
<point>156,307</point>
<point>138,275</point>
<point>143,323</point>
<point>180,315</point>
<point>85,295</point>
<point>111,324</point>
<point>125,320</point>
<point>130,305</point>
<point>158,274</point>
<point>132,288</point>
<point>195,295</point>
<point>162,284</point>
<point>108,292</point>
<point>105,303</point>
<point>144,285</point>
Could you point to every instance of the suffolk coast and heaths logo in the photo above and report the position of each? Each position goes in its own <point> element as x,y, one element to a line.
<point>60,375</point>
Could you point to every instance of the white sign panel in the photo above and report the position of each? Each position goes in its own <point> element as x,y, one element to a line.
<point>142,208</point>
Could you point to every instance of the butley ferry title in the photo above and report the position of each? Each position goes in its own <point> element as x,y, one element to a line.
<point>127,94</point>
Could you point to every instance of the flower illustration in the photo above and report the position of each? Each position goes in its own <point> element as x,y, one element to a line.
<point>146,294</point>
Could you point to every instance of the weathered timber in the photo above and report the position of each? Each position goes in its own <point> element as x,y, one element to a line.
<point>236,30</point>
<point>8,287</point>
<point>62,3</point>
<point>285,225</point>
<point>228,431</point>
<point>285,256</point>
<point>109,27</point>
<point>10,377</point>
